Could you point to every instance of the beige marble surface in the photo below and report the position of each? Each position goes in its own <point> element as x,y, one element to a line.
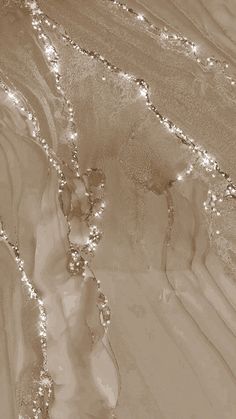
<point>170,350</point>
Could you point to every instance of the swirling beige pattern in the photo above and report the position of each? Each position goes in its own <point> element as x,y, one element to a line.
<point>170,350</point>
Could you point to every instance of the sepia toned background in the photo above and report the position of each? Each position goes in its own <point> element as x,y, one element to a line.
<point>170,351</point>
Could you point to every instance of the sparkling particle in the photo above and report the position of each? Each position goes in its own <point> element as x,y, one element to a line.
<point>140,17</point>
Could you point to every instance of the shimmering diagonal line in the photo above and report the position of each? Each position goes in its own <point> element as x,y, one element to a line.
<point>20,103</point>
<point>45,383</point>
<point>176,41</point>
<point>52,55</point>
<point>204,159</point>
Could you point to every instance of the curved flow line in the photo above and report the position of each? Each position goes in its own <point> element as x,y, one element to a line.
<point>20,102</point>
<point>176,41</point>
<point>43,397</point>
<point>203,158</point>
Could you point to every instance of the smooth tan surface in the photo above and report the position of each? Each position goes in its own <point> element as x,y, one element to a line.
<point>170,351</point>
